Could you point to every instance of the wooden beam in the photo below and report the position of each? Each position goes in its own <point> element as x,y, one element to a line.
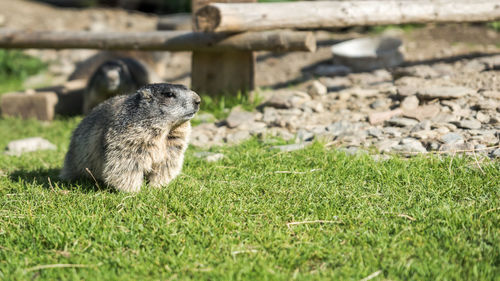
<point>235,17</point>
<point>160,40</point>
<point>222,72</point>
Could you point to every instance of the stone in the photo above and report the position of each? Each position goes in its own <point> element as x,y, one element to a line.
<point>352,151</point>
<point>303,136</point>
<point>313,106</point>
<point>491,94</point>
<point>238,117</point>
<point>362,92</point>
<point>495,153</point>
<point>18,147</point>
<point>410,145</point>
<point>407,90</point>
<point>342,127</point>
<point>392,131</point>
<point>425,134</point>
<point>332,70</point>
<point>483,118</point>
<point>27,105</point>
<point>423,71</point>
<point>424,125</point>
<point>237,137</point>
<point>380,117</point>
<point>375,132</point>
<point>379,104</point>
<point>469,124</point>
<point>452,138</point>
<point>443,92</point>
<point>291,147</point>
<point>204,118</point>
<point>287,99</point>
<point>402,122</point>
<point>386,145</point>
<point>409,103</point>
<point>317,89</point>
<point>209,156</point>
<point>423,112</point>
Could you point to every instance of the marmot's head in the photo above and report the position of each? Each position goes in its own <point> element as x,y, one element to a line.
<point>113,74</point>
<point>171,103</point>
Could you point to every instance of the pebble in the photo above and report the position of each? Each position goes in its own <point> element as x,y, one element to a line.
<point>402,122</point>
<point>238,117</point>
<point>452,138</point>
<point>469,124</point>
<point>332,70</point>
<point>317,89</point>
<point>409,103</point>
<point>291,147</point>
<point>410,145</point>
<point>18,147</point>
<point>495,153</point>
<point>443,92</point>
<point>209,156</point>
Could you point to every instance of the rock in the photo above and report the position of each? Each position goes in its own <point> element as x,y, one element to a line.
<point>407,90</point>
<point>29,104</point>
<point>379,117</point>
<point>495,153</point>
<point>402,122</point>
<point>352,150</point>
<point>362,93</point>
<point>453,148</point>
<point>409,103</point>
<point>424,135</point>
<point>341,128</point>
<point>21,146</point>
<point>469,124</point>
<point>303,136</point>
<point>386,145</point>
<point>423,71</point>
<point>291,147</point>
<point>444,118</point>
<point>313,106</point>
<point>287,99</point>
<point>375,132</point>
<point>204,118</point>
<point>410,145</point>
<point>237,137</point>
<point>392,131</point>
<point>209,156</point>
<point>379,104</point>
<point>452,138</point>
<point>491,94</point>
<point>237,117</point>
<point>317,89</point>
<point>424,125</point>
<point>488,104</point>
<point>423,112</point>
<point>483,118</point>
<point>443,92</point>
<point>332,70</point>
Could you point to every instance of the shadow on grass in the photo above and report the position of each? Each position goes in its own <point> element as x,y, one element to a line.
<point>49,179</point>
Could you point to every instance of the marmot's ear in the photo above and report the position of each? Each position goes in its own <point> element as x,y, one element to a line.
<point>146,93</point>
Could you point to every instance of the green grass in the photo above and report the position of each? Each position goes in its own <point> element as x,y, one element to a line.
<point>419,219</point>
<point>15,67</point>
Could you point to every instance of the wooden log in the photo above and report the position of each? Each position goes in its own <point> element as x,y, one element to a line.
<point>221,72</point>
<point>221,17</point>
<point>160,40</point>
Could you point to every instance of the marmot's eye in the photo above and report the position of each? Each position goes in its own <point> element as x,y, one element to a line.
<point>170,95</point>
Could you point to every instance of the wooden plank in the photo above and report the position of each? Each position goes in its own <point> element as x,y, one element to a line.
<point>160,40</point>
<point>237,17</point>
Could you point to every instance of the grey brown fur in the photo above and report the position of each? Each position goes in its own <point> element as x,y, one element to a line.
<point>112,78</point>
<point>127,138</point>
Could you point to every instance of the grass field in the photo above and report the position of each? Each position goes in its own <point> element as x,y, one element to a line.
<point>245,218</point>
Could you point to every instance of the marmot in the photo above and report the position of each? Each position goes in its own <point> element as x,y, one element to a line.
<point>115,77</point>
<point>129,137</point>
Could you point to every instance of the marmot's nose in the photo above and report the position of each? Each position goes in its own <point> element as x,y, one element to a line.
<point>197,99</point>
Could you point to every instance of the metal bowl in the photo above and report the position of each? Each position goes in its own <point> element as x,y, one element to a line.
<point>366,54</point>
